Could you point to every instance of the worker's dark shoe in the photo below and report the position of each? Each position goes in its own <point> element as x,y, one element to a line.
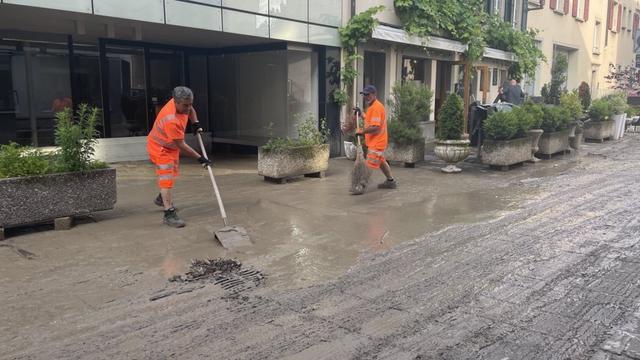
<point>158,200</point>
<point>171,218</point>
<point>388,184</point>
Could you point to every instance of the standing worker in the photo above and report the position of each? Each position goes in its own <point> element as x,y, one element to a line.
<point>375,135</point>
<point>513,93</point>
<point>164,143</point>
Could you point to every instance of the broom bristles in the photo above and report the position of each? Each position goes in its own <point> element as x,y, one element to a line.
<point>360,174</point>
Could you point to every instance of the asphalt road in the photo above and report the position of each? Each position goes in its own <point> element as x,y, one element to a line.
<point>556,278</point>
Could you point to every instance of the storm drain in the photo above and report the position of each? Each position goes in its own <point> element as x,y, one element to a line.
<point>226,273</point>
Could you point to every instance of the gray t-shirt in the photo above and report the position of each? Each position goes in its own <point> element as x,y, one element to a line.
<point>513,94</point>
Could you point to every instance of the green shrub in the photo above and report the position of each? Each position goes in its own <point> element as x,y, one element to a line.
<point>16,161</point>
<point>309,134</point>
<point>617,102</point>
<point>450,122</point>
<point>556,118</point>
<point>408,106</point>
<point>584,92</point>
<point>77,138</point>
<point>599,110</point>
<point>551,92</point>
<point>501,125</point>
<point>571,102</point>
<point>536,112</point>
<point>507,125</point>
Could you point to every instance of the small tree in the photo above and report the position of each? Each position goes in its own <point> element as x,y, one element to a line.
<point>551,91</point>
<point>584,92</point>
<point>77,138</point>
<point>409,105</point>
<point>450,119</point>
<point>626,79</point>
<point>571,102</point>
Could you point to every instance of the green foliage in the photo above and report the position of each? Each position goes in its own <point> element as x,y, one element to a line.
<point>461,20</point>
<point>584,92</point>
<point>16,161</point>
<point>617,102</point>
<point>633,111</point>
<point>77,138</point>
<point>536,112</point>
<point>551,92</point>
<point>514,124</point>
<point>409,105</point>
<point>450,119</point>
<point>599,110</point>
<point>556,118</point>
<point>358,29</point>
<point>502,35</point>
<point>310,133</point>
<point>571,102</point>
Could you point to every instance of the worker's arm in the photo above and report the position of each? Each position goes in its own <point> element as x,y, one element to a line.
<point>195,124</point>
<point>371,130</point>
<point>186,149</point>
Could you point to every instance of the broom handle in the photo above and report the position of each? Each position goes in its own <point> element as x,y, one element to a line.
<point>213,181</point>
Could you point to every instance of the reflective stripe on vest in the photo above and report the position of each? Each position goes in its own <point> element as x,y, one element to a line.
<point>159,136</point>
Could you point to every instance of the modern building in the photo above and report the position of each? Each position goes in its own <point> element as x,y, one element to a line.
<point>593,35</point>
<point>254,66</point>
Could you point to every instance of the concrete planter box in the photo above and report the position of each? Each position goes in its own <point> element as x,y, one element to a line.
<point>576,141</point>
<point>407,154</point>
<point>285,163</point>
<point>36,199</point>
<point>504,153</point>
<point>598,130</point>
<point>555,142</point>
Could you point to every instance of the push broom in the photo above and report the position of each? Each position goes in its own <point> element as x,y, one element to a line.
<point>361,173</point>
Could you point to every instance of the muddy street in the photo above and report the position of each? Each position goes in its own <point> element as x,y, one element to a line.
<point>540,262</point>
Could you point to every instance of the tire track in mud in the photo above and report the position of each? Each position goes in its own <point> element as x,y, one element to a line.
<point>548,281</point>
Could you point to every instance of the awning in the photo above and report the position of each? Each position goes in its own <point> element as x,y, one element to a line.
<point>395,35</point>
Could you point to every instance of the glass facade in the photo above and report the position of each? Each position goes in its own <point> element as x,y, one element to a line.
<point>143,10</point>
<point>68,5</point>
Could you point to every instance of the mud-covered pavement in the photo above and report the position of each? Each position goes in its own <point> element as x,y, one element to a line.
<point>540,262</point>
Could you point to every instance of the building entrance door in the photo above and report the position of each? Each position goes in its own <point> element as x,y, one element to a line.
<point>166,71</point>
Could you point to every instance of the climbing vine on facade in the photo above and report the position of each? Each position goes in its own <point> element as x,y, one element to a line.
<point>358,29</point>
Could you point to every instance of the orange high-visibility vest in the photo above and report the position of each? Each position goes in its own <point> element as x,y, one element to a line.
<point>168,126</point>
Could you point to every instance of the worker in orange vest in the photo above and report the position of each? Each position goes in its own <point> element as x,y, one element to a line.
<point>164,143</point>
<point>375,134</point>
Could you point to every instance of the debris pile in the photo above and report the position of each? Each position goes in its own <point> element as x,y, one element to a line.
<point>208,269</point>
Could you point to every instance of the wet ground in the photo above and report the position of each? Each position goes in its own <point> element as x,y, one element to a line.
<point>537,262</point>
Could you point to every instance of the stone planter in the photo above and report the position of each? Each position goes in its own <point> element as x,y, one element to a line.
<point>407,154</point>
<point>57,197</point>
<point>534,135</point>
<point>618,126</point>
<point>572,128</point>
<point>552,143</point>
<point>278,165</point>
<point>452,152</point>
<point>504,153</point>
<point>597,130</point>
<point>576,141</point>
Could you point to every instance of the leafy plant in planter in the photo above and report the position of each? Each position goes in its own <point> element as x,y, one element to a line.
<point>584,93</point>
<point>617,102</point>
<point>507,142</point>
<point>449,128</point>
<point>69,173</point>
<point>599,110</point>
<point>305,154</point>
<point>556,118</point>
<point>555,124</point>
<point>409,105</point>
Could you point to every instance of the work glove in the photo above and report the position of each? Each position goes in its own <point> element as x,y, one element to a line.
<point>357,111</point>
<point>195,127</point>
<point>204,161</point>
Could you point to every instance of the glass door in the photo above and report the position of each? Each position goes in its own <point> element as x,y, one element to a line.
<point>13,97</point>
<point>166,71</point>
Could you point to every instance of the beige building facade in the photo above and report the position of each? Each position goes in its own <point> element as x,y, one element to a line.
<point>593,34</point>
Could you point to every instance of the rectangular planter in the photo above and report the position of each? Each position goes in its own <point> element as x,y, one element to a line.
<point>286,163</point>
<point>407,154</point>
<point>555,142</point>
<point>506,152</point>
<point>35,199</point>
<point>598,130</point>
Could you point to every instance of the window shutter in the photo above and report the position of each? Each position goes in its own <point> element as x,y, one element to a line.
<point>619,17</point>
<point>553,4</point>
<point>610,16</point>
<point>586,10</point>
<point>566,7</point>
<point>574,10</point>
<point>636,22</point>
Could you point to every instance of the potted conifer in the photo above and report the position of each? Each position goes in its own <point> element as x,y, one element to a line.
<point>449,127</point>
